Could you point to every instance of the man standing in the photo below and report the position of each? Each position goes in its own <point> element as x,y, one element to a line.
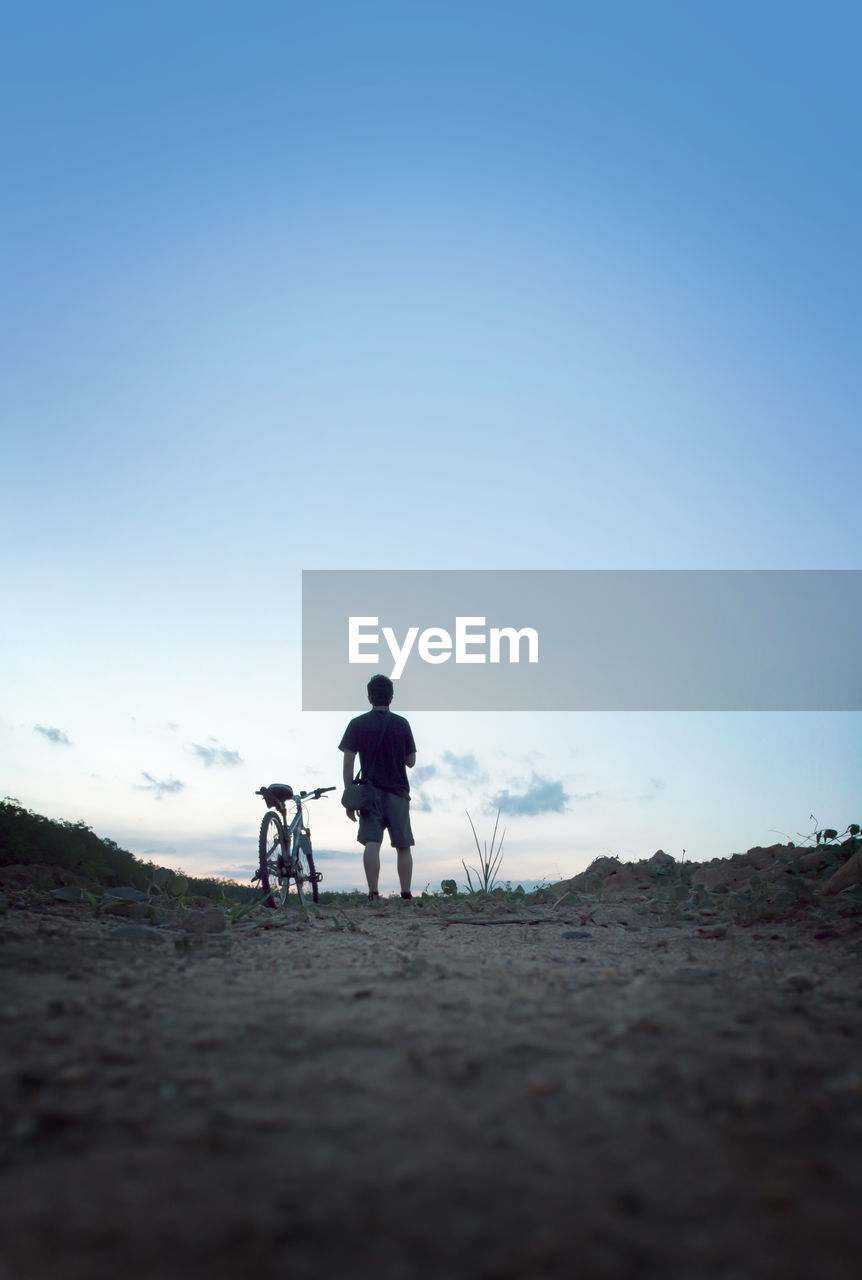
<point>386,750</point>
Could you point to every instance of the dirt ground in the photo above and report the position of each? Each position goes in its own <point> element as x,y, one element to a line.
<point>580,1091</point>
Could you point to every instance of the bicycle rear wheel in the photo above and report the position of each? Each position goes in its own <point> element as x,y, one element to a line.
<point>273,871</point>
<point>304,875</point>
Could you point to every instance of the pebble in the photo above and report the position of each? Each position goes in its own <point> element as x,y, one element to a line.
<point>541,1086</point>
<point>206,1040</point>
<point>75,1073</point>
<point>799,981</point>
<point>713,931</point>
<point>135,933</point>
<point>54,1034</point>
<point>118,1054</point>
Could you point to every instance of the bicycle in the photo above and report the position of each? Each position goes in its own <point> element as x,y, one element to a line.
<point>285,848</point>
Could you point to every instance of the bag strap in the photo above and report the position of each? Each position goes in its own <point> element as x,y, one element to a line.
<point>383,728</point>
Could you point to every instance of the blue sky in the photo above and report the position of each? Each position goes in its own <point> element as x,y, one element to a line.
<point>413,286</point>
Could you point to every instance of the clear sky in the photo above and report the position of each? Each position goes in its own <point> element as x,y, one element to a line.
<point>414,286</point>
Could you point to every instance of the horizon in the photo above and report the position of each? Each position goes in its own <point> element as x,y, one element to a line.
<point>503,880</point>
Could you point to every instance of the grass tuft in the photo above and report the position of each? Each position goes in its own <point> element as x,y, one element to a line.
<point>489,860</point>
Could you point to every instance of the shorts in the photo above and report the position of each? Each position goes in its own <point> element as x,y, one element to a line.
<point>393,814</point>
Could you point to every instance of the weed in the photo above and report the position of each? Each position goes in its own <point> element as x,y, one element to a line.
<point>349,923</point>
<point>489,860</point>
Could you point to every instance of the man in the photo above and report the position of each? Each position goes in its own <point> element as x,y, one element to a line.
<point>386,750</point>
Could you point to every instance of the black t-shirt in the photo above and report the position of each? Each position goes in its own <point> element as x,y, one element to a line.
<point>388,771</point>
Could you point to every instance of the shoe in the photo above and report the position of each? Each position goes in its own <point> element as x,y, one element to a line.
<point>374,897</point>
<point>405,893</point>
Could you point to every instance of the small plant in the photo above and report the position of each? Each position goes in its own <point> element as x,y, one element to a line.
<point>349,923</point>
<point>827,835</point>
<point>449,888</point>
<point>169,885</point>
<point>489,860</point>
<point>236,912</point>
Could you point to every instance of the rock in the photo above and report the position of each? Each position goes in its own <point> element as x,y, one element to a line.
<point>661,859</point>
<point>136,933</point>
<point>815,860</point>
<point>131,910</point>
<point>711,875</point>
<point>761,858</point>
<point>844,877</point>
<point>207,920</point>
<point>720,875</point>
<point>799,981</point>
<point>167,916</point>
<point>627,876</point>
<point>723,871</point>
<point>75,1073</point>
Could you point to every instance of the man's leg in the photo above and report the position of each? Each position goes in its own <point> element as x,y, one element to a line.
<point>401,834</point>
<point>405,868</point>
<point>370,834</point>
<point>371,862</point>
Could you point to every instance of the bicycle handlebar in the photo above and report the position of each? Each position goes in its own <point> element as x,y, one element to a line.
<point>279,794</point>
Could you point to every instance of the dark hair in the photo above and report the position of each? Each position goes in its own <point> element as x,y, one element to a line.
<point>380,690</point>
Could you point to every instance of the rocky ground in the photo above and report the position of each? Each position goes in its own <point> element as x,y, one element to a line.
<point>599,1084</point>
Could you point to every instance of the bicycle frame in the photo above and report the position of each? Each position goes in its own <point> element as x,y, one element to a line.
<point>296,828</point>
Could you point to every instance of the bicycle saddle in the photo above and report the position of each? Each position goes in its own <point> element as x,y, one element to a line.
<point>276,791</point>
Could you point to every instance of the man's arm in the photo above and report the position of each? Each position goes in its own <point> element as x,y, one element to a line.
<point>347,776</point>
<point>410,760</point>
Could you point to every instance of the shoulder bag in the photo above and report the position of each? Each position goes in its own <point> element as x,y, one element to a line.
<point>360,794</point>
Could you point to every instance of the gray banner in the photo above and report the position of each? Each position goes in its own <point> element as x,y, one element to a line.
<point>584,640</point>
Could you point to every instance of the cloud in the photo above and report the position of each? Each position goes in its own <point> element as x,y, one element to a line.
<point>656,785</point>
<point>326,855</point>
<point>541,796</point>
<point>466,768</point>
<point>419,801</point>
<point>53,735</point>
<point>423,774</point>
<point>236,871</point>
<point>216,754</point>
<point>169,787</point>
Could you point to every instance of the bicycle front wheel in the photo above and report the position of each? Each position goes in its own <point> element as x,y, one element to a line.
<point>273,870</point>
<point>304,874</point>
